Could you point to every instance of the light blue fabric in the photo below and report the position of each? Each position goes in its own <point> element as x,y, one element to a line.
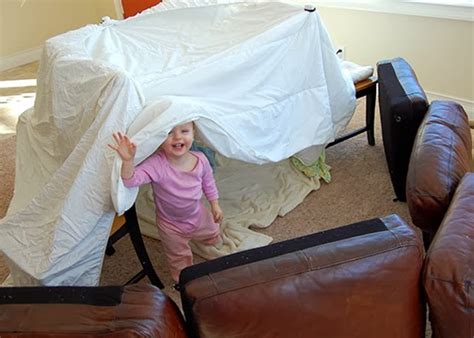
<point>210,154</point>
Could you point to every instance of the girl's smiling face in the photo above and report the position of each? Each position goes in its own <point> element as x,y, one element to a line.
<point>179,141</point>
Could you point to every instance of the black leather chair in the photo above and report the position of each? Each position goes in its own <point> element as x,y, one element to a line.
<point>403,105</point>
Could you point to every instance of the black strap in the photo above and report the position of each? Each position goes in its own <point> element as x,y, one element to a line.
<point>102,296</point>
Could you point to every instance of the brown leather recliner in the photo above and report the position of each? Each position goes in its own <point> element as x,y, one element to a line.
<point>360,280</point>
<point>440,196</point>
<point>441,156</point>
<point>448,276</point>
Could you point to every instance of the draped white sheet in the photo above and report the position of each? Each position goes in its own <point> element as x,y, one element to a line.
<point>261,80</point>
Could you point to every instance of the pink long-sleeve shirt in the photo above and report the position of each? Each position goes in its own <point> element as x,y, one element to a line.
<point>177,194</point>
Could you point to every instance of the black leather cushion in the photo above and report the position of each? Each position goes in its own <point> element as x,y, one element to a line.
<point>403,104</point>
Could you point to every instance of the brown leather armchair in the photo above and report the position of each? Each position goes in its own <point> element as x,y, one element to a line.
<point>441,156</point>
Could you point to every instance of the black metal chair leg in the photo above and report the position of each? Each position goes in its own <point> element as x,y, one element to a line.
<point>110,250</point>
<point>369,114</point>
<point>139,246</point>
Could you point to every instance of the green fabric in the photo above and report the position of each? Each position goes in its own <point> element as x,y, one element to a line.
<point>318,168</point>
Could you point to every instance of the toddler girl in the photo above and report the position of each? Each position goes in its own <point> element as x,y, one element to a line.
<point>178,177</point>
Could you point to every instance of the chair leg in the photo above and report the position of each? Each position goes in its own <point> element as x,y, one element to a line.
<point>139,246</point>
<point>110,250</point>
<point>370,114</point>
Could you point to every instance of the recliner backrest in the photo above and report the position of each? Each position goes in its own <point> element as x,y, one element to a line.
<point>441,156</point>
<point>359,280</point>
<point>403,104</point>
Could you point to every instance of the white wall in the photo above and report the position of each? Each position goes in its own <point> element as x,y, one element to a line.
<point>439,50</point>
<point>26,24</point>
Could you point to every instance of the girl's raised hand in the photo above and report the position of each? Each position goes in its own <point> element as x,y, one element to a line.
<point>123,146</point>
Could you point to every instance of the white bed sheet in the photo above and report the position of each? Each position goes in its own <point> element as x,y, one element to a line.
<point>260,79</point>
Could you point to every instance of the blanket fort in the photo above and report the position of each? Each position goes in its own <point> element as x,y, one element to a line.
<point>261,80</point>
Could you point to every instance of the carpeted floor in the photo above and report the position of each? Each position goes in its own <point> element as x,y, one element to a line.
<point>360,187</point>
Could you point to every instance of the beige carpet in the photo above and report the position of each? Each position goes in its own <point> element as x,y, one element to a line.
<point>360,188</point>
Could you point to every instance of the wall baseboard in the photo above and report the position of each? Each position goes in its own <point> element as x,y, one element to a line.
<point>467,105</point>
<point>21,58</point>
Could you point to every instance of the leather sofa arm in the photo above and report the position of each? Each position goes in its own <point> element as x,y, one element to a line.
<point>139,310</point>
<point>448,275</point>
